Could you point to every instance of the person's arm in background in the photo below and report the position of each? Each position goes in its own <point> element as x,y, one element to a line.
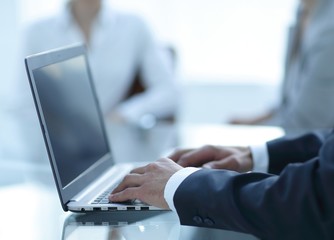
<point>311,107</point>
<point>257,120</point>
<point>310,97</point>
<point>156,68</point>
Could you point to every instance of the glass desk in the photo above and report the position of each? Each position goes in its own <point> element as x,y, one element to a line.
<point>31,208</point>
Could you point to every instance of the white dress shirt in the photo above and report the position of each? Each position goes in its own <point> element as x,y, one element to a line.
<point>260,163</point>
<point>120,44</point>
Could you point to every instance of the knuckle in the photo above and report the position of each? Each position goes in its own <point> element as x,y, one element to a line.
<point>209,147</point>
<point>176,151</point>
<point>152,166</point>
<point>234,163</point>
<point>127,178</point>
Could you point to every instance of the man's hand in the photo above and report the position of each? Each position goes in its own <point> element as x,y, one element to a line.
<point>231,158</point>
<point>147,183</point>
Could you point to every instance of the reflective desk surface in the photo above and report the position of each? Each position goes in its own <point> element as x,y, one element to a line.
<point>31,208</point>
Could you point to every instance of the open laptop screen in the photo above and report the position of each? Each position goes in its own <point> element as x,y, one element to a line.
<point>71,117</point>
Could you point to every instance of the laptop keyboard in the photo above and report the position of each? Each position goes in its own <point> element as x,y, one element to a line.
<point>103,198</point>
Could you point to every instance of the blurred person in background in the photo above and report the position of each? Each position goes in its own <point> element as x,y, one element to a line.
<point>133,72</point>
<point>307,97</point>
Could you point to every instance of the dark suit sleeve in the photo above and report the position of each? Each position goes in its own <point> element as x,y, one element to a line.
<point>297,204</point>
<point>283,151</point>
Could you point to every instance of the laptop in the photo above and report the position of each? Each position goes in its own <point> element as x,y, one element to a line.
<point>74,132</point>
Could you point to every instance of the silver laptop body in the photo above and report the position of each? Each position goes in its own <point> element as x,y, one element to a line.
<point>73,130</point>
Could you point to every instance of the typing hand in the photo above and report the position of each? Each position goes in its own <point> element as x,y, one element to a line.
<point>146,183</point>
<point>218,157</point>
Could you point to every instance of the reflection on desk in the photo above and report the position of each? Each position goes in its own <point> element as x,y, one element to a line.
<point>30,211</point>
<point>122,225</point>
<point>139,226</point>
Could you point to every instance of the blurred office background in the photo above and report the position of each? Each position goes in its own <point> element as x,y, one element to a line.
<point>229,52</point>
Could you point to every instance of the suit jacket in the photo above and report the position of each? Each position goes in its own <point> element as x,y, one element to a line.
<point>296,204</point>
<point>308,84</point>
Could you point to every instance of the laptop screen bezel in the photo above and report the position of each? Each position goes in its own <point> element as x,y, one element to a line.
<point>44,59</point>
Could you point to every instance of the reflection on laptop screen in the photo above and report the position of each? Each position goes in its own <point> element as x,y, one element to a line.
<point>71,117</point>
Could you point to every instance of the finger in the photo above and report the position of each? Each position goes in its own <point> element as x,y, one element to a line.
<point>130,180</point>
<point>228,163</point>
<point>197,157</point>
<point>175,156</point>
<point>139,170</point>
<point>126,194</point>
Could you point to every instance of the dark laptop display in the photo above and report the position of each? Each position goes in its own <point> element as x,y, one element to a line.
<point>71,120</point>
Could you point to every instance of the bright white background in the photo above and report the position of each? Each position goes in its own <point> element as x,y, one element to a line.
<point>217,40</point>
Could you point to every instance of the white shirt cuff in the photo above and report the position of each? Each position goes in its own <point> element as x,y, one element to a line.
<point>260,158</point>
<point>174,182</point>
